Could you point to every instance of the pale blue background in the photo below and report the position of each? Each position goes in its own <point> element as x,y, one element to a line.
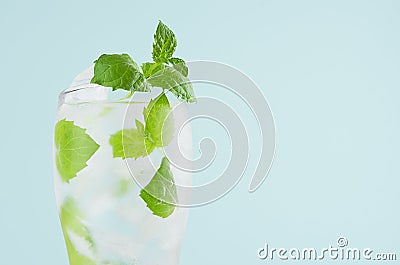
<point>330,70</point>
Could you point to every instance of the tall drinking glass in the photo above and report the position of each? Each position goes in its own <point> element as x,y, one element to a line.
<point>104,219</point>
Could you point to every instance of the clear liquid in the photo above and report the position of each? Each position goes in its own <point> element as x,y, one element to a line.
<point>118,227</point>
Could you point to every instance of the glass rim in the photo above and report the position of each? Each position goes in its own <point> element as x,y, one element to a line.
<point>118,100</point>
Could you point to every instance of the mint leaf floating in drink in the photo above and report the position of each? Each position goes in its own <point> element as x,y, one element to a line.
<point>140,142</point>
<point>131,143</point>
<point>71,223</point>
<point>71,220</point>
<point>140,128</point>
<point>74,147</point>
<point>119,71</point>
<point>159,121</point>
<point>164,43</point>
<point>161,191</point>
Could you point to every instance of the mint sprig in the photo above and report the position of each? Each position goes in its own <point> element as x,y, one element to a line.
<point>119,71</point>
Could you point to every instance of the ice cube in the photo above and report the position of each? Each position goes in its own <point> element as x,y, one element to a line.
<point>81,90</point>
<point>83,78</point>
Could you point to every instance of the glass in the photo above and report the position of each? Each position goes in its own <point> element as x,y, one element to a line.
<point>104,219</point>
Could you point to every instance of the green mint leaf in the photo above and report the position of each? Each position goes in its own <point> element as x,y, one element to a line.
<point>119,71</point>
<point>74,256</point>
<point>74,147</point>
<point>173,80</point>
<point>131,143</point>
<point>180,65</point>
<point>151,68</point>
<point>72,222</point>
<point>159,121</point>
<point>124,185</point>
<point>164,44</point>
<point>147,69</point>
<point>71,219</point>
<point>140,127</point>
<point>161,191</point>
